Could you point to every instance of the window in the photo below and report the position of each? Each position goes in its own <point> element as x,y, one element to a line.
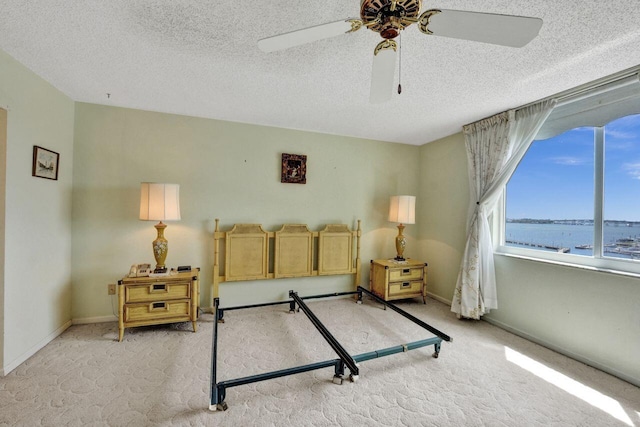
<point>621,231</point>
<point>550,202</point>
<point>574,197</point>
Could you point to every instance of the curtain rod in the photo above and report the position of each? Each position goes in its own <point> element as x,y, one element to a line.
<point>576,91</point>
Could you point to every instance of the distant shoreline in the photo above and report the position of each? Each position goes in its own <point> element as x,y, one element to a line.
<point>614,222</point>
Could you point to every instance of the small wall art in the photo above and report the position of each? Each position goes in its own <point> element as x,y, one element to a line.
<point>45,163</point>
<point>294,168</point>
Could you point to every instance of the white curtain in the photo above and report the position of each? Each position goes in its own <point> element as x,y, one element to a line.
<point>495,146</point>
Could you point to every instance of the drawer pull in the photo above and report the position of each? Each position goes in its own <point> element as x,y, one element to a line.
<point>158,287</point>
<point>406,284</point>
<point>406,271</point>
<point>157,306</point>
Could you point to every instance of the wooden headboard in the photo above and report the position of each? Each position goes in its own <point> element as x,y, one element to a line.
<point>251,253</point>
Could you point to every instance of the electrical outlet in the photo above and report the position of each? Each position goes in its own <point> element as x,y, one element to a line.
<point>111,288</point>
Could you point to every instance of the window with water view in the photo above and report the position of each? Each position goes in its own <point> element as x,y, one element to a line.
<point>553,200</point>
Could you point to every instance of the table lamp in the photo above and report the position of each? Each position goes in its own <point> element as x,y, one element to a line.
<point>402,209</point>
<point>159,202</point>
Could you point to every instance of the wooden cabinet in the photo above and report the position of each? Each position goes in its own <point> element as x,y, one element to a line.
<point>146,301</point>
<point>393,280</point>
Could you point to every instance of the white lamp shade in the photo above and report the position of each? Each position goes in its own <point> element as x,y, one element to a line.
<point>402,209</point>
<point>159,202</point>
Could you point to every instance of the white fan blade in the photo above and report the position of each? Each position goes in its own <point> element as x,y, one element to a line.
<point>505,30</point>
<point>384,67</point>
<point>308,35</point>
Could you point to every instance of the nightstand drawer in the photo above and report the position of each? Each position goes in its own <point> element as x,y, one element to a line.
<point>405,288</point>
<point>157,291</point>
<point>405,274</point>
<point>157,310</point>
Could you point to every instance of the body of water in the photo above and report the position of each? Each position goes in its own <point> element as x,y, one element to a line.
<point>549,236</point>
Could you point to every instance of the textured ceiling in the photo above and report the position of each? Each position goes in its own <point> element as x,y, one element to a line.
<point>200,58</point>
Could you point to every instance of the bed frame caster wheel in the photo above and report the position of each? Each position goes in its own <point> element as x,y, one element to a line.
<point>337,379</point>
<point>219,407</point>
<point>353,378</point>
<point>435,355</point>
<point>359,302</point>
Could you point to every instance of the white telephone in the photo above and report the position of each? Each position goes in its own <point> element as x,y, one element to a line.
<point>140,270</point>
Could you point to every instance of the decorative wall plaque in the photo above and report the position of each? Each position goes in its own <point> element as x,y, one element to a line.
<point>294,168</point>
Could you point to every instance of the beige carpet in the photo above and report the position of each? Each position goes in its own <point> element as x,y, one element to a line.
<point>160,375</point>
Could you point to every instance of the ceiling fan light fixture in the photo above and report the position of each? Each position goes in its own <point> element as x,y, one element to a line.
<point>389,33</point>
<point>388,18</point>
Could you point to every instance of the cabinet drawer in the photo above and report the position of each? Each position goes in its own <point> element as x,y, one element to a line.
<point>156,310</point>
<point>405,288</point>
<point>157,291</point>
<point>404,274</point>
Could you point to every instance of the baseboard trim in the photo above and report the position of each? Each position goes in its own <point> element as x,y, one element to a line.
<point>114,318</point>
<point>33,350</point>
<point>99,319</point>
<point>439,298</point>
<point>564,351</point>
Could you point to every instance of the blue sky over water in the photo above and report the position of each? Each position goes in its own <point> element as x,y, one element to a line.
<point>555,178</point>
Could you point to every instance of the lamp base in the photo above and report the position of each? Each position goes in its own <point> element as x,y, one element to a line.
<point>401,243</point>
<point>160,248</point>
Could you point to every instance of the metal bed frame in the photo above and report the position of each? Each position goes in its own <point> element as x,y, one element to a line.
<point>218,389</point>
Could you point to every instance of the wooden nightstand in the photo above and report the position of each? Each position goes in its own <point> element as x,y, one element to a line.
<point>146,301</point>
<point>392,280</point>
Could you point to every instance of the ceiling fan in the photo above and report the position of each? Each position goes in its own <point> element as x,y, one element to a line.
<point>390,17</point>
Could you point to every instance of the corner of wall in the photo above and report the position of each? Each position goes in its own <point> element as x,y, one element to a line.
<point>442,208</point>
<point>3,195</point>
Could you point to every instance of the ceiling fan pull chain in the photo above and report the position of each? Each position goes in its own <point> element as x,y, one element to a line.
<point>400,65</point>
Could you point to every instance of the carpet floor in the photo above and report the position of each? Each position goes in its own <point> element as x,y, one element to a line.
<point>161,375</point>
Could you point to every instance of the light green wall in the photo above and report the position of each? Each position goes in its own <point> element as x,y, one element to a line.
<point>591,316</point>
<point>225,170</point>
<point>3,187</point>
<point>442,212</point>
<point>37,220</point>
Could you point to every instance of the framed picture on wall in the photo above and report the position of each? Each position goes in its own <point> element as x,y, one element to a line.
<point>45,163</point>
<point>294,168</point>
